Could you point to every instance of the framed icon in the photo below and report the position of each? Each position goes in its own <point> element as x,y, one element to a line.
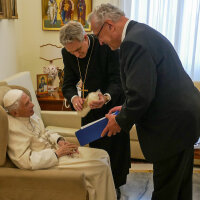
<point>56,13</point>
<point>42,84</point>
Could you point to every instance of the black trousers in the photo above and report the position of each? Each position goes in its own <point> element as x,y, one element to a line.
<point>173,177</point>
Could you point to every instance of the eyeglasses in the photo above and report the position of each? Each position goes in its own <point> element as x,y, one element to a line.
<point>97,35</point>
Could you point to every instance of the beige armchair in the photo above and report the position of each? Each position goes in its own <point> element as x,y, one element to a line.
<point>40,184</point>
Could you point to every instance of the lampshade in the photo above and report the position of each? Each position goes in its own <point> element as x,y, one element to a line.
<point>50,52</point>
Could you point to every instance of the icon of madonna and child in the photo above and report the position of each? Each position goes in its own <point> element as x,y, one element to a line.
<point>67,10</point>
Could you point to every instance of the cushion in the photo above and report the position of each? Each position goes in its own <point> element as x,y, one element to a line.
<point>65,132</point>
<point>3,83</point>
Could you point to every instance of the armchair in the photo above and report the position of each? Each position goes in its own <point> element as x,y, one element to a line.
<point>40,184</point>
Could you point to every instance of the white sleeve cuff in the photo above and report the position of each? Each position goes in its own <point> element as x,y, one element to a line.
<point>109,97</point>
<point>43,159</point>
<point>73,97</point>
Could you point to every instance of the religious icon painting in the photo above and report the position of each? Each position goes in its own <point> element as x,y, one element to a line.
<point>56,13</point>
<point>42,84</point>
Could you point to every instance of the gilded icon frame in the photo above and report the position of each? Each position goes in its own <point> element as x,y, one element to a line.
<point>42,88</point>
<point>56,13</point>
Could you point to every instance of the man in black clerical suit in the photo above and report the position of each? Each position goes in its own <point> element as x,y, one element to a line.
<point>161,100</point>
<point>95,67</point>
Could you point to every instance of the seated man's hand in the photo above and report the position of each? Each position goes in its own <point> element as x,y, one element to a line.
<point>77,103</point>
<point>67,149</point>
<point>62,142</point>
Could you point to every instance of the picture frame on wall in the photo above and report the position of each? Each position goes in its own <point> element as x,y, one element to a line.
<point>13,9</point>
<point>42,84</point>
<point>8,9</point>
<point>56,13</point>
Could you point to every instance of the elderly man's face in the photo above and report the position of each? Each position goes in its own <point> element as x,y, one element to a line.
<point>77,48</point>
<point>105,33</point>
<point>25,108</point>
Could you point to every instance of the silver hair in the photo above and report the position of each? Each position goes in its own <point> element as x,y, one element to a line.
<point>71,31</point>
<point>15,105</point>
<point>104,12</point>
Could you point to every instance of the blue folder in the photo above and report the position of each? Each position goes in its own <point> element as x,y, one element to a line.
<point>92,131</point>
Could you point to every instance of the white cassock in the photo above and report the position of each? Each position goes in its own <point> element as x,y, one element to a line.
<point>31,146</point>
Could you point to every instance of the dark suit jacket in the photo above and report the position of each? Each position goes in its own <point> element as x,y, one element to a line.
<point>160,97</point>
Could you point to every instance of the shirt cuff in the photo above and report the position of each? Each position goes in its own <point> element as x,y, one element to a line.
<point>108,97</point>
<point>73,97</point>
<point>60,138</point>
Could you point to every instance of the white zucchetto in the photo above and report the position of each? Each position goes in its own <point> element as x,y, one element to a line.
<point>11,97</point>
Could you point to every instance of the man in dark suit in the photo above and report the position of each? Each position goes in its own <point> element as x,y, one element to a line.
<point>161,100</point>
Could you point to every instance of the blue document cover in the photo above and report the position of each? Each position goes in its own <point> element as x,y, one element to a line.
<point>92,131</point>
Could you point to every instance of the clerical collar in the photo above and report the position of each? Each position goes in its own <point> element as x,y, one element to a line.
<point>124,30</point>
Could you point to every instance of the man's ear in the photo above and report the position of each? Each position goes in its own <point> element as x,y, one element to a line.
<point>85,37</point>
<point>13,113</point>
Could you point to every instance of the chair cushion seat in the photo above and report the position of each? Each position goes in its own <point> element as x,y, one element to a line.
<point>65,132</point>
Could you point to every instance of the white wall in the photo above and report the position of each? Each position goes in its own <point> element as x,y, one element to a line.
<point>20,40</point>
<point>8,49</point>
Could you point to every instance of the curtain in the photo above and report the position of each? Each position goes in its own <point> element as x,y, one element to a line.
<point>178,20</point>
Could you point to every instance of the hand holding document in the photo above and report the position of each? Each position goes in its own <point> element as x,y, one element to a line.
<point>92,131</point>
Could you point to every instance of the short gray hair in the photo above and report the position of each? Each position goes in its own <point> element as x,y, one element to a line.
<point>71,31</point>
<point>104,12</point>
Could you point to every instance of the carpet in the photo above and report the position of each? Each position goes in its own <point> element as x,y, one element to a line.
<point>139,186</point>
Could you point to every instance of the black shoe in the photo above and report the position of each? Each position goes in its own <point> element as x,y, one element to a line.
<point>118,193</point>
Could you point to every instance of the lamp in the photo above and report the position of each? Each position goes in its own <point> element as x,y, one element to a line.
<point>50,52</point>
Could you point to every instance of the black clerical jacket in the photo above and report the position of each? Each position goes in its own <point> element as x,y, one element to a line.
<point>160,97</point>
<point>103,73</point>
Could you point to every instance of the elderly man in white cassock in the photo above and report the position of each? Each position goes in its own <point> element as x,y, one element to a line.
<point>31,146</point>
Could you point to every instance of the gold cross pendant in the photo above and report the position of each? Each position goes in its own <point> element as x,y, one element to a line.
<point>83,90</point>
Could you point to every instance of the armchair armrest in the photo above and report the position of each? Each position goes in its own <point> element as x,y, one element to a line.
<point>47,184</point>
<point>68,119</point>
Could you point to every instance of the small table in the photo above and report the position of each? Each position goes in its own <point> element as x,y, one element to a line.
<point>54,101</point>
